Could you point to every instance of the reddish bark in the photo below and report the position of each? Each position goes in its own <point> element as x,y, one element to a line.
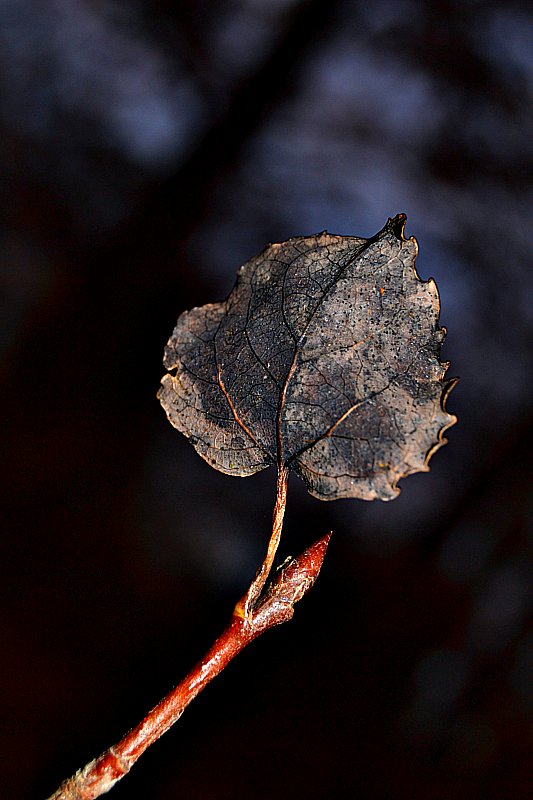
<point>276,606</point>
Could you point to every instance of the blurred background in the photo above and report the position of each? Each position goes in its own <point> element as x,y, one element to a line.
<point>149,148</point>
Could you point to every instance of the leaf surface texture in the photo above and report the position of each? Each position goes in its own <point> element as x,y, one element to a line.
<point>324,358</point>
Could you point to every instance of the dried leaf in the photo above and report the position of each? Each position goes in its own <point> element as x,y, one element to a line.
<point>324,358</point>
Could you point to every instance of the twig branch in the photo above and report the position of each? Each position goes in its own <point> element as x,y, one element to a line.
<point>276,606</point>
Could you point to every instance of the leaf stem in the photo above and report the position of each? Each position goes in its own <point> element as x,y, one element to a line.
<point>274,608</point>
<point>246,604</point>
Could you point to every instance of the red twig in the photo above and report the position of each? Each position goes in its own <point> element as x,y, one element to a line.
<point>253,615</point>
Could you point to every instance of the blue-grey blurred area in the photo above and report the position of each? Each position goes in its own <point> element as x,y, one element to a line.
<point>148,148</point>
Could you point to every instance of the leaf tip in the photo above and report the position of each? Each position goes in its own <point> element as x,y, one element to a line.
<point>397,226</point>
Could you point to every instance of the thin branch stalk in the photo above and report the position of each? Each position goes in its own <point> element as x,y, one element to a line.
<point>253,615</point>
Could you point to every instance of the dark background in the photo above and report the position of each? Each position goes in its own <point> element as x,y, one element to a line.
<point>148,149</point>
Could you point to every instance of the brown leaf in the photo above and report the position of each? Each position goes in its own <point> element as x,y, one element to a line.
<point>324,358</point>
